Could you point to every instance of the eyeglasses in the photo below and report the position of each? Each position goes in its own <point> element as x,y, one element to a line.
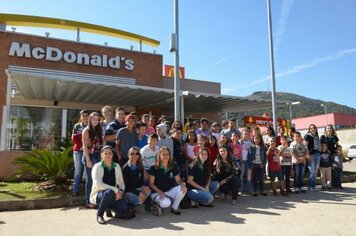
<point>134,153</point>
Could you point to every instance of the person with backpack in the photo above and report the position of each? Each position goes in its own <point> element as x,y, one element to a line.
<point>108,188</point>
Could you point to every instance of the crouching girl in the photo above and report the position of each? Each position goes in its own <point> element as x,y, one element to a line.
<point>201,188</point>
<point>166,184</point>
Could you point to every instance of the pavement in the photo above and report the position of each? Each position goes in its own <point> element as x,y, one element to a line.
<point>312,213</point>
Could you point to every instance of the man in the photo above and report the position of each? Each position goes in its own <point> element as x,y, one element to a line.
<point>126,138</point>
<point>232,129</point>
<point>113,128</point>
<point>204,127</point>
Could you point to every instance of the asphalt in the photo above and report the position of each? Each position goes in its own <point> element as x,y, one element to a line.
<point>312,213</point>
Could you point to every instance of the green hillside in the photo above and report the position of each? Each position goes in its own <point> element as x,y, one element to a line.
<point>307,106</point>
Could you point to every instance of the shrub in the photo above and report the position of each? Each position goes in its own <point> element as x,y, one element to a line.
<point>48,165</point>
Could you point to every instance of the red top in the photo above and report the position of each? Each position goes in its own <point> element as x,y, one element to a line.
<point>273,160</point>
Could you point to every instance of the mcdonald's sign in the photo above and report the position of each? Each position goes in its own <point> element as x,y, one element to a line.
<point>169,71</point>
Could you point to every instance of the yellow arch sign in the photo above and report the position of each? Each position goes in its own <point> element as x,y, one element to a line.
<point>38,21</point>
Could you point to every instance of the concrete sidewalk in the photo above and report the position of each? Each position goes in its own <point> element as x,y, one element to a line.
<point>313,213</point>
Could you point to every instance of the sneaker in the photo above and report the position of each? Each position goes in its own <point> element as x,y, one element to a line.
<point>193,204</point>
<point>263,194</point>
<point>341,188</point>
<point>275,193</point>
<point>330,189</point>
<point>222,195</point>
<point>176,212</point>
<point>100,220</point>
<point>254,194</point>
<point>233,202</point>
<point>156,210</point>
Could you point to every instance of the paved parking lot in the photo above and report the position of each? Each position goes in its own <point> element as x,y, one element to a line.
<point>314,213</point>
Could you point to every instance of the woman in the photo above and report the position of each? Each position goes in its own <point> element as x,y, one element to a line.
<point>190,143</point>
<point>106,112</point>
<point>136,191</point>
<point>312,142</point>
<point>92,140</point>
<point>108,186</point>
<point>257,162</point>
<point>227,174</point>
<point>331,139</point>
<point>165,182</point>
<point>201,188</point>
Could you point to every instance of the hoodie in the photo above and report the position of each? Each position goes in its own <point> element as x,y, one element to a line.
<point>165,141</point>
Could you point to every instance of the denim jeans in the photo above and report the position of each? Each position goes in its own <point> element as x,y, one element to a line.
<point>133,198</point>
<point>95,158</point>
<point>244,172</point>
<point>258,177</point>
<point>106,201</point>
<point>201,196</point>
<point>299,170</point>
<point>78,170</point>
<point>336,177</point>
<point>313,166</point>
<point>286,175</point>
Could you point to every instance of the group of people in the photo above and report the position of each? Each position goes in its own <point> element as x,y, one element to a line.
<point>131,160</point>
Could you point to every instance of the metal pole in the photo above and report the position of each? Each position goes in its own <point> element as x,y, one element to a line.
<point>290,114</point>
<point>274,109</point>
<point>177,115</point>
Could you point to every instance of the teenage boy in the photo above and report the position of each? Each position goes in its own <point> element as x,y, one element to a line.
<point>149,154</point>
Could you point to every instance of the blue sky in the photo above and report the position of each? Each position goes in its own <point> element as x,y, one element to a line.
<point>226,41</point>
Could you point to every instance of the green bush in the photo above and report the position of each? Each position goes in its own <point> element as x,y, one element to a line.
<point>48,165</point>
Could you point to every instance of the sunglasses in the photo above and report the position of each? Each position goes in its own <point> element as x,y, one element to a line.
<point>134,153</point>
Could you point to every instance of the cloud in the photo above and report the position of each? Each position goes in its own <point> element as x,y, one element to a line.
<point>282,22</point>
<point>214,64</point>
<point>299,68</point>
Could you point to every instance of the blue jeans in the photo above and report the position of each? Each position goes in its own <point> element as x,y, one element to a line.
<point>313,166</point>
<point>286,176</point>
<point>201,196</point>
<point>106,201</point>
<point>78,170</point>
<point>299,170</point>
<point>244,171</point>
<point>95,158</point>
<point>258,177</point>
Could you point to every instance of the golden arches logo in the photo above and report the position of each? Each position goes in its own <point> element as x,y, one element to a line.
<point>169,71</point>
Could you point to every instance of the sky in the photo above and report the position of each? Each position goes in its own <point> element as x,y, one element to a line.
<point>226,41</point>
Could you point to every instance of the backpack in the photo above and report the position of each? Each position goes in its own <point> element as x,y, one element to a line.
<point>127,211</point>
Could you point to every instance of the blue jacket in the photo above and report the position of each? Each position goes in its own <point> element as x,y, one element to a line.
<point>252,155</point>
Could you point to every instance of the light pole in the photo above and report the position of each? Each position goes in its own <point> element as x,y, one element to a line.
<point>290,111</point>
<point>273,82</point>
<point>326,114</point>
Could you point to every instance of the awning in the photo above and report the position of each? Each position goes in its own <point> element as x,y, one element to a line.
<point>34,83</point>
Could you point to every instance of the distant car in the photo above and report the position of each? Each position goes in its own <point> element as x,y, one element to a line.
<point>352,152</point>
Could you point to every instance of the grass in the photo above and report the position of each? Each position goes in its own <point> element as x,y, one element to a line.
<point>24,190</point>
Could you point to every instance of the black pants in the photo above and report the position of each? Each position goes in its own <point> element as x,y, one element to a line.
<point>286,176</point>
<point>232,185</point>
<point>257,177</point>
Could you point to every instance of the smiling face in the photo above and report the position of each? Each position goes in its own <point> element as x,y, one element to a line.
<point>203,156</point>
<point>164,156</point>
<point>223,152</point>
<point>106,155</point>
<point>94,120</point>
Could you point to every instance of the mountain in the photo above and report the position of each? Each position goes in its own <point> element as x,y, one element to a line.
<point>307,106</point>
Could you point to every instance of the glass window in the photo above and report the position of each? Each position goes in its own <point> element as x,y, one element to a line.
<point>34,127</point>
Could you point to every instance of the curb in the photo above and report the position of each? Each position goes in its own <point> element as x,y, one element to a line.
<point>43,203</point>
